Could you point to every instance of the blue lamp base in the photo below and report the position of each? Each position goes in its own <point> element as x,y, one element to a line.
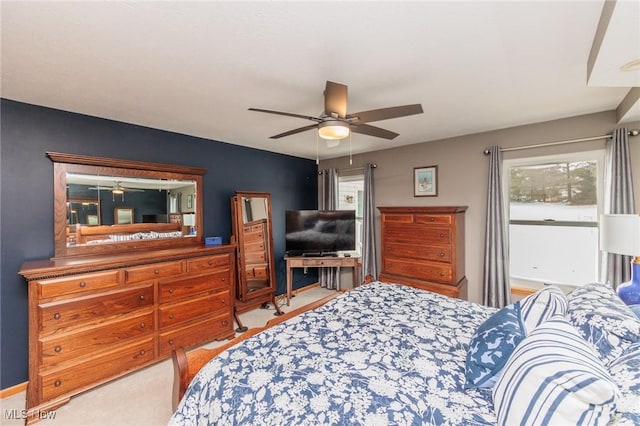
<point>629,292</point>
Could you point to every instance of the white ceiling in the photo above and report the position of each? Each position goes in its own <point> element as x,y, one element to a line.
<point>195,67</point>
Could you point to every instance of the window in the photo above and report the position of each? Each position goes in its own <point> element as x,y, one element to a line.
<point>351,197</point>
<point>553,205</point>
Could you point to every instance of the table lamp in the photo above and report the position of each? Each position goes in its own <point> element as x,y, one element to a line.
<point>189,219</point>
<point>620,234</point>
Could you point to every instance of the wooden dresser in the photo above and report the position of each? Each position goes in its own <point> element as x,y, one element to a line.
<point>424,247</point>
<point>96,318</point>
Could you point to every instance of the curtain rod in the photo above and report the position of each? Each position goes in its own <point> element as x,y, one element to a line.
<point>634,132</point>
<point>352,169</point>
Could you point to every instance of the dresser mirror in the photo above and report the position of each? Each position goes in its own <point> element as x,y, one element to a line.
<point>106,205</point>
<point>251,217</point>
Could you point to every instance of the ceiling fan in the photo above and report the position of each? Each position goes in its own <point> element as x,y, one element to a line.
<point>336,123</point>
<point>116,189</point>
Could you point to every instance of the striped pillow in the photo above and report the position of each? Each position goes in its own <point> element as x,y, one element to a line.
<point>494,340</point>
<point>541,305</point>
<point>554,377</point>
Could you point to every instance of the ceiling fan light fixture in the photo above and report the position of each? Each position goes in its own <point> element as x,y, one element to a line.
<point>117,191</point>
<point>333,129</point>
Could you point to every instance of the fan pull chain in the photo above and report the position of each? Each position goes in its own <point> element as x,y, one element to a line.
<point>317,142</point>
<point>350,151</point>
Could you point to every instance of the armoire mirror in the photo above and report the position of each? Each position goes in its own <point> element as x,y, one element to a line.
<point>252,228</point>
<point>106,205</point>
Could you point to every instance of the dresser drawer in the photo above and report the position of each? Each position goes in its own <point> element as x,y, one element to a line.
<point>176,313</point>
<point>153,272</point>
<point>59,315</point>
<point>257,272</point>
<point>420,234</point>
<point>77,284</point>
<point>254,228</point>
<point>436,219</point>
<point>220,326</point>
<point>256,247</point>
<point>398,218</point>
<point>415,251</point>
<point>253,237</point>
<point>259,257</point>
<point>425,270</point>
<point>58,382</point>
<point>190,286</point>
<point>63,347</point>
<point>208,263</point>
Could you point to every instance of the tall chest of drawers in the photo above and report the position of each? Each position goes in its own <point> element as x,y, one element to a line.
<point>94,319</point>
<point>424,247</point>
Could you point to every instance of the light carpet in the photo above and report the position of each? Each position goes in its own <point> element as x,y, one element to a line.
<point>144,397</point>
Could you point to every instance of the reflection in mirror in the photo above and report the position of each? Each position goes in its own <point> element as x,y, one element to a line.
<point>123,201</point>
<point>83,211</point>
<point>254,208</point>
<point>154,192</point>
<point>123,216</point>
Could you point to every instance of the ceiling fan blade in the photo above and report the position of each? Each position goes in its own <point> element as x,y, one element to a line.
<point>366,129</point>
<point>289,114</point>
<point>294,131</point>
<point>385,113</point>
<point>335,99</point>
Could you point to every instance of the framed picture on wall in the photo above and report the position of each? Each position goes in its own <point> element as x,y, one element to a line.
<point>425,181</point>
<point>189,201</point>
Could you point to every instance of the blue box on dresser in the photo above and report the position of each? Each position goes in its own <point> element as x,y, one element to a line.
<point>213,241</point>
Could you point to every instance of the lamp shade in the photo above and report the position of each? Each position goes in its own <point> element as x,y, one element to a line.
<point>333,129</point>
<point>620,234</point>
<point>189,219</point>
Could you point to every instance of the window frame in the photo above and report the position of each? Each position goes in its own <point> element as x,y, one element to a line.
<point>599,156</point>
<point>358,177</point>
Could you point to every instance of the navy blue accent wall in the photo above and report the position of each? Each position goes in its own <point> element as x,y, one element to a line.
<point>26,196</point>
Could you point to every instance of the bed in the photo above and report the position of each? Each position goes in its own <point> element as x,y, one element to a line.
<point>385,354</point>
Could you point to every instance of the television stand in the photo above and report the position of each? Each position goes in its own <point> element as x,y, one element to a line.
<point>333,261</point>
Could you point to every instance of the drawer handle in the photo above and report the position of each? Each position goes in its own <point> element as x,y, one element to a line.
<point>442,274</point>
<point>170,291</point>
<point>432,219</point>
<point>57,383</point>
<point>210,262</point>
<point>142,297</point>
<point>171,316</point>
<point>223,279</point>
<point>56,316</point>
<point>223,301</point>
<point>142,352</point>
<point>441,235</point>
<point>142,325</point>
<point>83,284</point>
<point>58,349</point>
<point>156,271</point>
<point>225,323</point>
<point>171,342</point>
<point>441,254</point>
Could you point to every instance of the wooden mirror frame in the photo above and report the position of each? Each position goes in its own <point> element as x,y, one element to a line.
<point>249,300</point>
<point>73,163</point>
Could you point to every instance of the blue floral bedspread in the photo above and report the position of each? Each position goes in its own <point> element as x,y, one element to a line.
<point>382,354</point>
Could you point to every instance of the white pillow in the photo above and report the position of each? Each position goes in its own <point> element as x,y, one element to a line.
<point>554,377</point>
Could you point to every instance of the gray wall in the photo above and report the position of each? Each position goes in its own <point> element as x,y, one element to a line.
<point>462,171</point>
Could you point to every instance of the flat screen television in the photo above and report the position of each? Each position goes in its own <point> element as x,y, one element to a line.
<point>319,232</point>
